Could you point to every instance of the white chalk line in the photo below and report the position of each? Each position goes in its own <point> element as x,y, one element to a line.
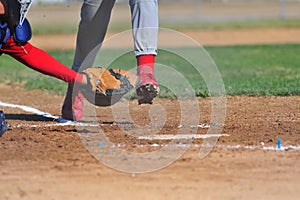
<point>226,147</point>
<point>65,122</point>
<point>81,124</point>
<point>180,137</point>
<point>55,125</point>
<point>253,147</point>
<point>34,111</point>
<point>62,121</point>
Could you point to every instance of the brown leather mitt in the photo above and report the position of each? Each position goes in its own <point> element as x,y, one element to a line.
<point>107,86</point>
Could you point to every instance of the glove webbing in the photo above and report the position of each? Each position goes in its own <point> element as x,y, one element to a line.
<point>125,85</point>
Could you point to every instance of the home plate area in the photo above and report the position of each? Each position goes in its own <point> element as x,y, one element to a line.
<point>255,156</point>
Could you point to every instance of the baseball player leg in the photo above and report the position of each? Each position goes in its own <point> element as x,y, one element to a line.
<point>95,16</point>
<point>145,30</point>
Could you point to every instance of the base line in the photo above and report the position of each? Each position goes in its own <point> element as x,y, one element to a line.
<point>180,137</point>
<point>36,112</point>
<point>62,121</point>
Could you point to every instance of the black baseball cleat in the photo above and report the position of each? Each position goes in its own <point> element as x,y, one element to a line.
<point>146,93</point>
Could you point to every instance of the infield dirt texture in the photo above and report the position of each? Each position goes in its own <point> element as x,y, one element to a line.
<point>39,161</point>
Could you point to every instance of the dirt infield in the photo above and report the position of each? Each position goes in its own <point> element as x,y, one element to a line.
<point>41,161</point>
<point>49,162</point>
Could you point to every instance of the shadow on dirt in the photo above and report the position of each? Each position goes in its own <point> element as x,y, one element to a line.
<point>27,117</point>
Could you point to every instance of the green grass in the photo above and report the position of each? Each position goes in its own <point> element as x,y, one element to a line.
<point>45,29</point>
<point>246,70</point>
<point>276,23</point>
<point>57,28</point>
<point>259,69</point>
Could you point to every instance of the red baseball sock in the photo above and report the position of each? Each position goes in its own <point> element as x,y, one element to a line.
<point>145,61</point>
<point>145,70</point>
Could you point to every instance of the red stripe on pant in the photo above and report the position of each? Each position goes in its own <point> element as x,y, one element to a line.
<point>40,61</point>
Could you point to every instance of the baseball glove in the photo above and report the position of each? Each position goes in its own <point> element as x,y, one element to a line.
<point>107,86</point>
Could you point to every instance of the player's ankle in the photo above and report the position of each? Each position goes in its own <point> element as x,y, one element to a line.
<point>145,63</point>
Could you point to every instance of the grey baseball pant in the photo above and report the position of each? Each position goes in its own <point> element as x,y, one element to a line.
<point>95,16</point>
